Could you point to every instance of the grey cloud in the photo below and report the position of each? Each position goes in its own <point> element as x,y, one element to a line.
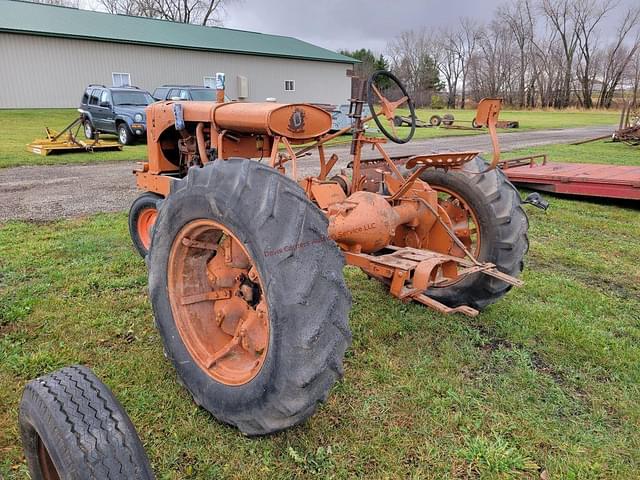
<point>351,24</point>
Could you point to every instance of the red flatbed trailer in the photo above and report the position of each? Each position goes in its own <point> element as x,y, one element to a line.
<point>594,180</point>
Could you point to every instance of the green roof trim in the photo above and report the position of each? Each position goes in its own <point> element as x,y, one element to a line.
<point>54,21</point>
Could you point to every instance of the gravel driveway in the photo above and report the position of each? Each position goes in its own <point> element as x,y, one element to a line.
<point>63,191</point>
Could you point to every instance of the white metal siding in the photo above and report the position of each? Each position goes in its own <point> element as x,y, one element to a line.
<point>49,72</point>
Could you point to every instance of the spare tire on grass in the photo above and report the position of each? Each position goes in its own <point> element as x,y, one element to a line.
<point>73,428</point>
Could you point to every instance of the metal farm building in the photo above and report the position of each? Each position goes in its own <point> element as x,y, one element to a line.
<point>49,54</point>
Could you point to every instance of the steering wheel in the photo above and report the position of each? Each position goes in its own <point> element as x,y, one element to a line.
<point>389,107</point>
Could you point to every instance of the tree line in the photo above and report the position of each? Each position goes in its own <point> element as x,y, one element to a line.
<point>532,53</point>
<point>198,12</point>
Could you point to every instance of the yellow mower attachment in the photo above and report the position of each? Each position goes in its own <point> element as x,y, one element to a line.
<point>60,143</point>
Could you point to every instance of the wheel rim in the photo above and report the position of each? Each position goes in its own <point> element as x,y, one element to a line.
<point>146,221</point>
<point>218,302</point>
<point>464,222</point>
<point>123,135</point>
<point>87,130</point>
<point>47,468</point>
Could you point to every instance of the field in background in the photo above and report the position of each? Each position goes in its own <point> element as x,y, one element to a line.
<point>529,120</point>
<point>545,380</point>
<point>21,127</point>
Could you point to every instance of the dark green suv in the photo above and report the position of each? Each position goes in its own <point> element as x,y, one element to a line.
<point>119,110</point>
<point>184,92</point>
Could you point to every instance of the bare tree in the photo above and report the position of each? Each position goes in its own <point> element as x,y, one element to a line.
<point>448,61</point>
<point>411,59</point>
<point>464,43</point>
<point>620,55</point>
<point>560,13</point>
<point>634,80</point>
<point>517,16</point>
<point>588,14</point>
<point>549,53</point>
<point>201,12</point>
<point>61,3</point>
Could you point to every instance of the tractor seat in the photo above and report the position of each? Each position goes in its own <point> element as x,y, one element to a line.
<point>441,160</point>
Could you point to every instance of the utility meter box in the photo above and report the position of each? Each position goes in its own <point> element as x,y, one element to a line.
<point>243,87</point>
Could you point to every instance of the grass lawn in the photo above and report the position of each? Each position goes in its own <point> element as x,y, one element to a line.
<point>604,151</point>
<point>529,120</point>
<point>546,379</point>
<point>21,127</point>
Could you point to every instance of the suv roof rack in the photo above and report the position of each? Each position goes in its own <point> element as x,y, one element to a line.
<point>183,86</point>
<point>96,85</point>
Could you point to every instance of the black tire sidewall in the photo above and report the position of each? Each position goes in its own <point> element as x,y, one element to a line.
<point>46,412</point>
<point>128,136</point>
<point>87,124</point>
<point>478,290</point>
<point>145,201</point>
<point>190,206</point>
<point>237,404</point>
<point>32,426</point>
<point>477,202</point>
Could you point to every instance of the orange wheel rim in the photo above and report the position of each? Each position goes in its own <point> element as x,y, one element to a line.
<point>146,221</point>
<point>218,302</point>
<point>464,223</point>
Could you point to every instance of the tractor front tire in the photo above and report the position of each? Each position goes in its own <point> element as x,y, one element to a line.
<point>298,285</point>
<point>142,217</point>
<point>503,230</point>
<point>73,428</point>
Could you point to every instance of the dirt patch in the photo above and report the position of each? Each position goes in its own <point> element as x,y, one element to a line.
<point>64,191</point>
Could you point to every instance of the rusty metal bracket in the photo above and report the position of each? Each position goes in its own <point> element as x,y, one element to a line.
<point>409,272</point>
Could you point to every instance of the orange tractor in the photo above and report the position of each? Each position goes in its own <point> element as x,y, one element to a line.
<point>245,258</point>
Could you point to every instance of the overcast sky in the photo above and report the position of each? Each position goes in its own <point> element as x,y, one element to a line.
<point>353,24</point>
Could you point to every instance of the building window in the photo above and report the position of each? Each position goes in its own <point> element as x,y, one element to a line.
<point>121,79</point>
<point>209,82</point>
<point>289,86</point>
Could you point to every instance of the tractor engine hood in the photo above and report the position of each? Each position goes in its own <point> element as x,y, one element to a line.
<point>297,121</point>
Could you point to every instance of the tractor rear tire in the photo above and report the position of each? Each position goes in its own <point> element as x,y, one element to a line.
<point>73,428</point>
<point>142,216</point>
<point>503,229</point>
<point>301,281</point>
